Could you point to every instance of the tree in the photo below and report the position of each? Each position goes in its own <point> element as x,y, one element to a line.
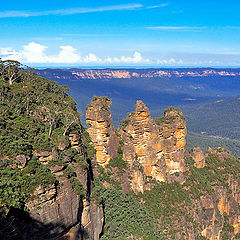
<point>12,70</point>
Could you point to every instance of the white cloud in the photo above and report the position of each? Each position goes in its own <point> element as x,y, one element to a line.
<point>36,53</point>
<point>171,61</point>
<point>68,54</point>
<point>33,52</point>
<point>136,58</point>
<point>158,6</point>
<point>92,58</point>
<point>7,14</point>
<point>7,51</point>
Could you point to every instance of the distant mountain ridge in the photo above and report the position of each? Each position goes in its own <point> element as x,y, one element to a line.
<point>110,73</point>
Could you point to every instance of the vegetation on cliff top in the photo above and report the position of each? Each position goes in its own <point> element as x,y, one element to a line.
<point>35,115</point>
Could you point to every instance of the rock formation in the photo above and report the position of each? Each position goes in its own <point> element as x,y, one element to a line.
<point>101,130</point>
<point>154,151</point>
<point>157,148</point>
<point>199,157</point>
<point>61,206</point>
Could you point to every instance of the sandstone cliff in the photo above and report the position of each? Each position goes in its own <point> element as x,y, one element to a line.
<point>62,211</point>
<point>132,73</point>
<point>157,147</point>
<point>62,206</point>
<point>101,130</point>
<point>191,200</point>
<point>46,175</point>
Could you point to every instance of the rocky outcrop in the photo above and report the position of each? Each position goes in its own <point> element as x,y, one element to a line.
<point>45,156</point>
<point>219,215</point>
<point>156,148</point>
<point>101,130</point>
<point>22,160</point>
<point>219,212</point>
<point>198,157</point>
<point>60,208</point>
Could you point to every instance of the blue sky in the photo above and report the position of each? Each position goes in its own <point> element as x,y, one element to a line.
<point>127,33</point>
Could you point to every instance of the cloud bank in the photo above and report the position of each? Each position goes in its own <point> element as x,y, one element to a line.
<point>36,53</point>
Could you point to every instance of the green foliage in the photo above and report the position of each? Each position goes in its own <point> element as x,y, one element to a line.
<point>34,115</point>
<point>126,217</point>
<point>42,141</point>
<point>175,109</point>
<point>17,185</point>
<point>90,147</point>
<point>170,119</point>
<point>204,142</point>
<point>76,185</point>
<point>226,226</point>
<point>202,180</point>
<point>215,118</point>
<point>31,108</point>
<point>80,160</point>
<point>118,160</point>
<point>124,123</point>
<point>102,98</point>
<point>167,200</point>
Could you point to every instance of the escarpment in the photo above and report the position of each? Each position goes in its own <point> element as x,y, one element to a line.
<point>67,204</point>
<point>45,172</point>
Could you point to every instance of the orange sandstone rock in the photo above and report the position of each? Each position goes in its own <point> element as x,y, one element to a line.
<point>101,130</point>
<point>158,148</point>
<point>199,157</point>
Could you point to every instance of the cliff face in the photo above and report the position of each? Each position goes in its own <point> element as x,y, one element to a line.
<point>101,130</point>
<point>150,149</point>
<point>45,164</point>
<point>197,198</point>
<point>132,73</point>
<point>60,208</point>
<point>158,148</point>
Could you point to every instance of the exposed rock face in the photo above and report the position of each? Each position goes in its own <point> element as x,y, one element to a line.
<point>60,208</point>
<point>101,130</point>
<point>79,74</point>
<point>219,211</point>
<point>22,160</point>
<point>155,150</point>
<point>92,220</point>
<point>158,148</point>
<point>199,157</point>
<point>45,156</point>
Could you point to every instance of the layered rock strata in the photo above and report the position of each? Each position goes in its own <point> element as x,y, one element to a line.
<point>158,148</point>
<point>59,207</point>
<point>101,130</point>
